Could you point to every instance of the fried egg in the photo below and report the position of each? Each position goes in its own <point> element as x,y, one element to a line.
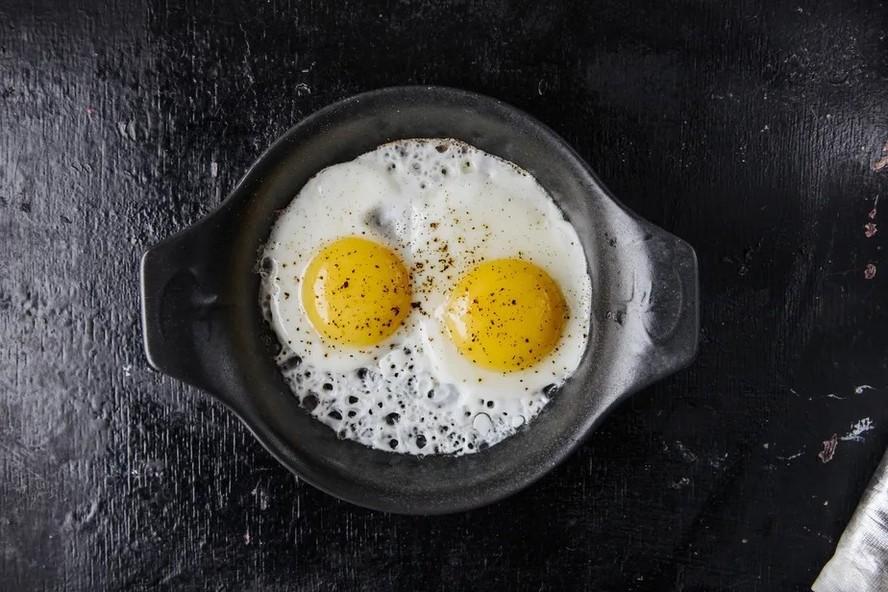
<point>429,297</point>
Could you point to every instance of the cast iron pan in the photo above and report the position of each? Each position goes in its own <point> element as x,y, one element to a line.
<point>202,322</point>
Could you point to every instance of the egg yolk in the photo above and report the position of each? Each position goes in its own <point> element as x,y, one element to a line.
<point>506,314</point>
<point>356,292</point>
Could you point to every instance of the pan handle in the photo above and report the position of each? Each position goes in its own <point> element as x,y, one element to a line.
<point>671,308</point>
<point>180,308</point>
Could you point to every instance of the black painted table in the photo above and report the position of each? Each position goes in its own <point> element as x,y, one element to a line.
<point>751,129</point>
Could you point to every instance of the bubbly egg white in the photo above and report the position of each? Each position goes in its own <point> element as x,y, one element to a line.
<point>443,207</point>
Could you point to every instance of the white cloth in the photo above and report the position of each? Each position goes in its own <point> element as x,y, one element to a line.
<point>860,562</point>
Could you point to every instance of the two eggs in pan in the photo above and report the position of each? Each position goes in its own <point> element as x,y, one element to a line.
<point>427,296</point>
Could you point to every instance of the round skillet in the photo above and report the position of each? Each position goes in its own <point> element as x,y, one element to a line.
<point>202,322</point>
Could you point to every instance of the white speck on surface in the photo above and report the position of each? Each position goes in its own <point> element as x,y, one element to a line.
<point>680,483</point>
<point>835,396</point>
<point>261,495</point>
<point>744,541</point>
<point>686,454</point>
<point>214,169</point>
<point>716,461</point>
<point>766,445</point>
<point>128,370</point>
<point>792,457</point>
<point>302,89</point>
<point>858,429</point>
<point>826,503</point>
<point>858,390</point>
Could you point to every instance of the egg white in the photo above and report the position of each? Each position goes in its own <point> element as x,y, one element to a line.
<point>442,206</point>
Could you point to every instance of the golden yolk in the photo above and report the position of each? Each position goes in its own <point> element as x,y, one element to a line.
<point>356,292</point>
<point>506,314</point>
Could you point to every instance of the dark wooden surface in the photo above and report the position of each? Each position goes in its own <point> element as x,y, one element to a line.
<point>748,128</point>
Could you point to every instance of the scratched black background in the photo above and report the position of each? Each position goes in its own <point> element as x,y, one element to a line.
<point>751,129</point>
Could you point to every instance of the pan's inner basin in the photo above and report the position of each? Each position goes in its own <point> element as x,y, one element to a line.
<point>428,297</point>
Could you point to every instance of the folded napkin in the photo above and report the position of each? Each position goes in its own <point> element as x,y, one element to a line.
<point>860,563</point>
